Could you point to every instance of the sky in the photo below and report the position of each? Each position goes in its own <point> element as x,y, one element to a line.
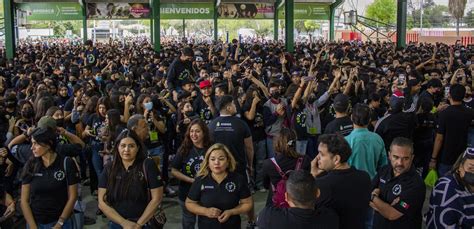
<point>362,4</point>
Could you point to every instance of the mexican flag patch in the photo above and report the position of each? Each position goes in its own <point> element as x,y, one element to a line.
<point>404,204</point>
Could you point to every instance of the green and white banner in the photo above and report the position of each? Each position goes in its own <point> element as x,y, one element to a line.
<point>51,11</point>
<point>187,11</point>
<point>308,11</point>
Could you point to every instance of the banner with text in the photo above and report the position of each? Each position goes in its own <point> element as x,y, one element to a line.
<point>187,11</point>
<point>51,11</point>
<point>308,11</point>
<point>246,11</point>
<point>118,10</point>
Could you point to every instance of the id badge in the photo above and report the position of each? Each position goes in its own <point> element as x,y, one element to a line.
<point>313,130</point>
<point>153,136</point>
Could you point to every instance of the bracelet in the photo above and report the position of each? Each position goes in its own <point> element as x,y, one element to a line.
<point>433,158</point>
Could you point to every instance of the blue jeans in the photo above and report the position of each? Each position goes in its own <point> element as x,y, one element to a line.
<point>113,225</point>
<point>369,222</point>
<point>260,155</point>
<point>188,220</point>
<point>67,225</point>
<point>312,147</point>
<point>301,146</point>
<point>443,169</point>
<point>157,152</point>
<point>97,161</point>
<point>270,150</point>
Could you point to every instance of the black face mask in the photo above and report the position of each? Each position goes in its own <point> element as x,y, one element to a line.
<point>275,95</point>
<point>28,113</point>
<point>59,122</point>
<point>469,178</point>
<point>190,114</point>
<point>10,104</point>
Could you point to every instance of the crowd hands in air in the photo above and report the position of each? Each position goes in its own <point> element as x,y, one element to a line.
<point>339,134</point>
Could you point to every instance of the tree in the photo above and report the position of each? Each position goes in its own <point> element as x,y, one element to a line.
<point>310,26</point>
<point>456,8</point>
<point>470,18</point>
<point>299,26</point>
<point>383,11</point>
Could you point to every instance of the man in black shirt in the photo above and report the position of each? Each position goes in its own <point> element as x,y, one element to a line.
<point>396,123</point>
<point>235,134</point>
<point>181,69</point>
<point>204,104</point>
<point>343,188</point>
<point>343,123</point>
<point>452,130</point>
<point>301,194</point>
<point>398,191</point>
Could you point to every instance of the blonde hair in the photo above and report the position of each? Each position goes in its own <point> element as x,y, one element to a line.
<point>204,170</point>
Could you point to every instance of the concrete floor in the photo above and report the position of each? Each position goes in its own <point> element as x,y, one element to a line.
<point>171,206</point>
<point>173,211</point>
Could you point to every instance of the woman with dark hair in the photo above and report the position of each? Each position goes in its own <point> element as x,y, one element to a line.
<point>49,184</point>
<point>94,129</point>
<point>286,159</point>
<point>423,136</point>
<point>42,106</point>
<point>452,196</point>
<point>113,127</point>
<point>125,185</point>
<point>62,96</point>
<point>187,162</point>
<point>27,115</point>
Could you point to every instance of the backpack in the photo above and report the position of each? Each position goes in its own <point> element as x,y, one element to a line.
<point>279,190</point>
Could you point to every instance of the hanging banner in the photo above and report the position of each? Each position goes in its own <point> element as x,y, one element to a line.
<point>308,11</point>
<point>118,10</point>
<point>187,11</point>
<point>51,11</point>
<point>246,11</point>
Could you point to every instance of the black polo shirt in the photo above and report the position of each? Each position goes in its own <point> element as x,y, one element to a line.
<point>341,126</point>
<point>232,131</point>
<point>224,196</point>
<point>297,218</point>
<point>49,188</point>
<point>410,188</point>
<point>348,193</point>
<point>132,202</point>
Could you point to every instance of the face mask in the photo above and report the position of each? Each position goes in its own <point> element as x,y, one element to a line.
<point>275,95</point>
<point>469,178</point>
<point>189,113</point>
<point>60,122</point>
<point>384,69</point>
<point>457,54</point>
<point>61,68</point>
<point>148,106</point>
<point>98,78</point>
<point>28,113</point>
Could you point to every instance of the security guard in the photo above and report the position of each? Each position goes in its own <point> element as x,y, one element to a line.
<point>398,191</point>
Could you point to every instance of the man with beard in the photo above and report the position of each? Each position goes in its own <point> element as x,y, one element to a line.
<point>398,191</point>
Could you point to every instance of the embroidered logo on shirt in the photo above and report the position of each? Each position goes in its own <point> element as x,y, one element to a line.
<point>230,186</point>
<point>397,189</point>
<point>382,181</point>
<point>206,187</point>
<point>59,175</point>
<point>404,205</point>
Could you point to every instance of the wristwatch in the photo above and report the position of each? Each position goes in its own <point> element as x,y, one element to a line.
<point>61,222</point>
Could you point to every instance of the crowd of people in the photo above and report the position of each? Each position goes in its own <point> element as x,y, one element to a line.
<point>339,134</point>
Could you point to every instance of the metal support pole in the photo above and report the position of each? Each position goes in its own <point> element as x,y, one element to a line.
<point>401,23</point>
<point>84,22</point>
<point>9,30</point>
<point>216,35</point>
<point>275,22</point>
<point>184,28</point>
<point>332,14</point>
<point>156,25</point>
<point>289,26</point>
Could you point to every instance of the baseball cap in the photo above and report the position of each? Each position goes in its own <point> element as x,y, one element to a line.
<point>47,122</point>
<point>341,102</point>
<point>468,153</point>
<point>199,59</point>
<point>204,84</point>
